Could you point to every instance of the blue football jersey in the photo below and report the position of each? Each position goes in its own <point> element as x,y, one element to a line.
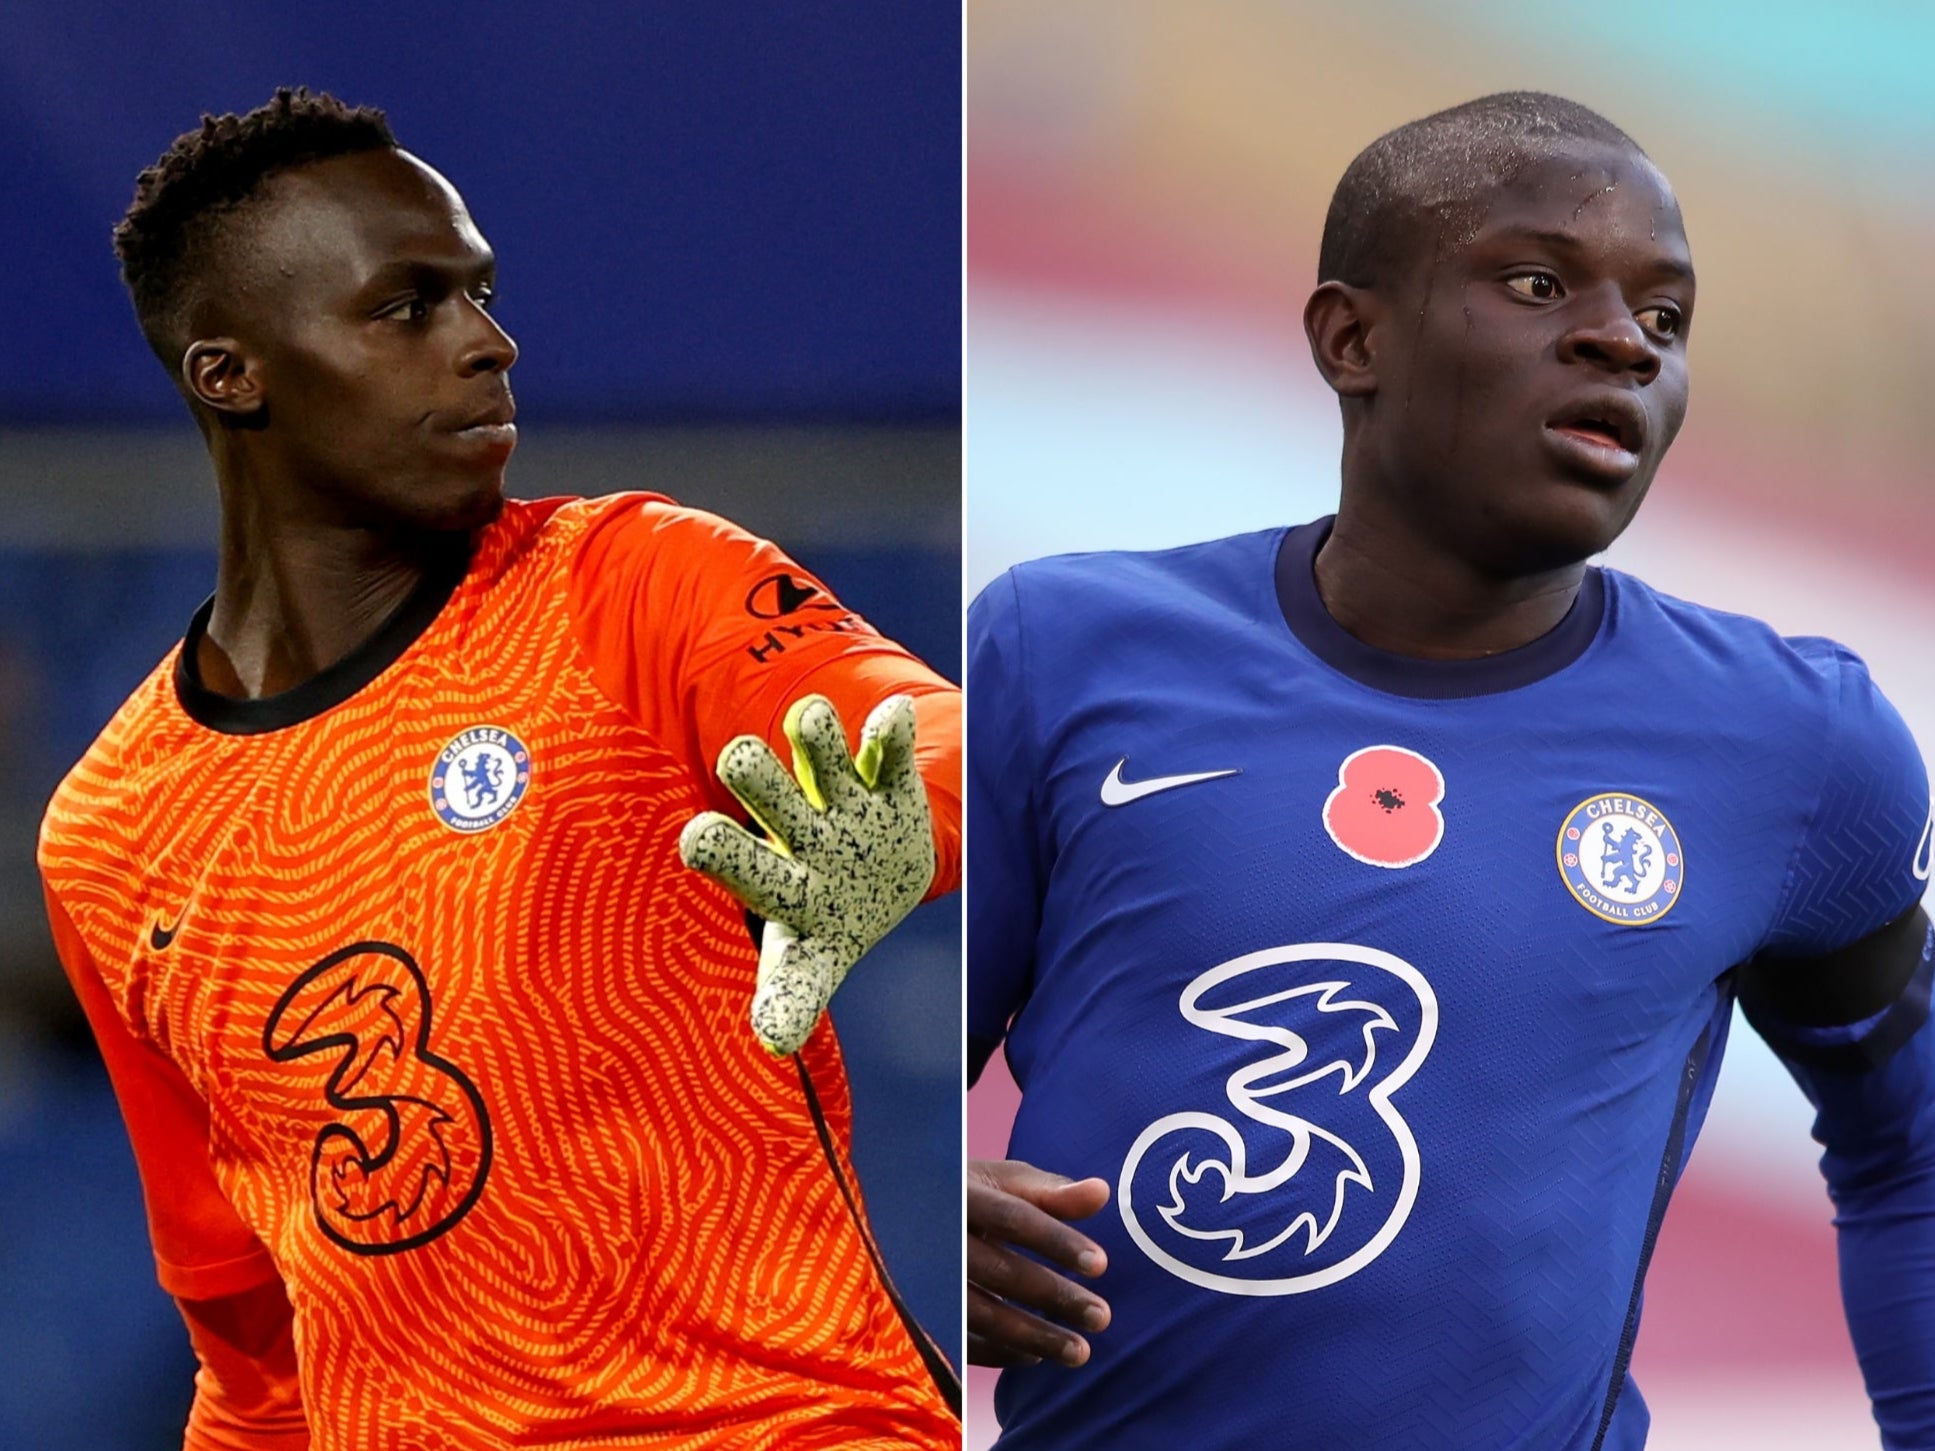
<point>1387,995</point>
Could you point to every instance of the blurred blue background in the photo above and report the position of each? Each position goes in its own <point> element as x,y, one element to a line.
<point>729,250</point>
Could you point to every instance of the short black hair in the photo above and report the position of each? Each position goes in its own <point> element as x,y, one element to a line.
<point>1429,179</point>
<point>171,236</point>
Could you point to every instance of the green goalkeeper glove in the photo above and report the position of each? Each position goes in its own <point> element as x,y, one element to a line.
<point>851,853</point>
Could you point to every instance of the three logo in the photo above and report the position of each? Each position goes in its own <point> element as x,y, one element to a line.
<point>408,1153</point>
<point>1313,1172</point>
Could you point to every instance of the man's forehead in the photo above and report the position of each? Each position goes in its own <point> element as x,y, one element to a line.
<point>1559,170</point>
<point>362,211</point>
<point>1576,190</point>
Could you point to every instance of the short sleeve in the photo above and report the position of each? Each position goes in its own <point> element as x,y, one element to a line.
<point>202,1248</point>
<point>1006,873</point>
<point>701,632</point>
<point>1863,857</point>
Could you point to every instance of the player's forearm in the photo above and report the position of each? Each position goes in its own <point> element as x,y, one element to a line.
<point>1878,1127</point>
<point>1887,1245</point>
<point>937,752</point>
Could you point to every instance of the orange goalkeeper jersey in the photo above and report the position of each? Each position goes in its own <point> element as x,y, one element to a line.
<point>410,1003</point>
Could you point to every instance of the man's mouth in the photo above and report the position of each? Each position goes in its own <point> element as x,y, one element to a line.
<point>489,432</point>
<point>1609,421</point>
<point>491,427</point>
<point>1602,435</point>
<point>1596,433</point>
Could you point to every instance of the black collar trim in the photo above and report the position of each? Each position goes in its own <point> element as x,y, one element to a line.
<point>236,716</point>
<point>1303,610</point>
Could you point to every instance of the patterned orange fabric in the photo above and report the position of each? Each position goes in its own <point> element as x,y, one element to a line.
<point>410,1004</point>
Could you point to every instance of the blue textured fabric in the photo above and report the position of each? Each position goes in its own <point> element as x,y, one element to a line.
<point>1878,1130</point>
<point>1877,1125</point>
<point>1390,1089</point>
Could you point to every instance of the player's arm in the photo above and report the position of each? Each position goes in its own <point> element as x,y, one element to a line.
<point>718,643</point>
<point>1019,1309</point>
<point>1845,1002</point>
<point>703,632</point>
<point>247,1397</point>
<point>246,1392</point>
<point>1853,1029</point>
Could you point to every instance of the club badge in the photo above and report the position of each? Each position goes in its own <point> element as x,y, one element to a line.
<point>1621,859</point>
<point>479,778</point>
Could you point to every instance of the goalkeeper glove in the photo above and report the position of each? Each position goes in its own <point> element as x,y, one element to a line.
<point>851,852</point>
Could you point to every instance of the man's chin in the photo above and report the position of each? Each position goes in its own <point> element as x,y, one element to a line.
<point>472,510</point>
<point>1574,520</point>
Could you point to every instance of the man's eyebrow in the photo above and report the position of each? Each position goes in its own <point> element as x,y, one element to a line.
<point>1567,242</point>
<point>404,270</point>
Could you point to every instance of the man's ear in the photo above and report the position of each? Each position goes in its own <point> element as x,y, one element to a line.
<point>1339,320</point>
<point>221,376</point>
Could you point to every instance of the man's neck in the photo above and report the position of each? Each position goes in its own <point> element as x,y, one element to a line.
<point>294,595</point>
<point>1394,587</point>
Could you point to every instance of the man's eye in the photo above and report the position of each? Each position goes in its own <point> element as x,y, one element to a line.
<point>407,309</point>
<point>1661,322</point>
<point>1540,285</point>
<point>484,296</point>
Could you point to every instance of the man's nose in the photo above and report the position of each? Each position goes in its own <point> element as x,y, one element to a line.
<point>1609,337</point>
<point>487,347</point>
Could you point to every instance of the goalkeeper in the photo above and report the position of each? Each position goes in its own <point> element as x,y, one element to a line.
<point>453,1128</point>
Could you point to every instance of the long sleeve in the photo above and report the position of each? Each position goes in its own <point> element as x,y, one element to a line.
<point>1008,871</point>
<point>1872,1084</point>
<point>1876,1125</point>
<point>247,1396</point>
<point>1839,935</point>
<point>703,632</point>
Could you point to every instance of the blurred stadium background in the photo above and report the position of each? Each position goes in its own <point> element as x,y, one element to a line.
<point>1147,182</point>
<point>729,244</point>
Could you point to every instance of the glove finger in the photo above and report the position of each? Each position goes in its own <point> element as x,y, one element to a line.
<point>820,757</point>
<point>887,744</point>
<point>793,991</point>
<point>750,770</point>
<point>772,885</point>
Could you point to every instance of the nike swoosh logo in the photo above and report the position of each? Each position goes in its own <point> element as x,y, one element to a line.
<point>1117,792</point>
<point>160,937</point>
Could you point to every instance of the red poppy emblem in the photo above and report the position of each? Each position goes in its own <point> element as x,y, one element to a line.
<point>1385,811</point>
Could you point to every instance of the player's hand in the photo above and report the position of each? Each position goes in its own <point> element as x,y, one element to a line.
<point>851,852</point>
<point>1010,1206</point>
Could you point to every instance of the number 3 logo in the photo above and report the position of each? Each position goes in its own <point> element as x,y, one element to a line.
<point>411,1152</point>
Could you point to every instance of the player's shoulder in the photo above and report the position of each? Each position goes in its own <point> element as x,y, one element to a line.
<point>1732,656</point>
<point>1165,589</point>
<point>97,810</point>
<point>1808,701</point>
<point>622,530</point>
<point>530,531</point>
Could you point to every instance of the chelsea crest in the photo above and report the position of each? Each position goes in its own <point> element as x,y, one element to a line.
<point>479,778</point>
<point>1621,858</point>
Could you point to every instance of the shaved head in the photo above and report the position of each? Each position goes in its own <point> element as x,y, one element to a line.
<point>1420,190</point>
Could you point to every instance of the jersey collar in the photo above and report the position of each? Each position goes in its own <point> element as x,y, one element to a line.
<point>1303,610</point>
<point>235,716</point>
